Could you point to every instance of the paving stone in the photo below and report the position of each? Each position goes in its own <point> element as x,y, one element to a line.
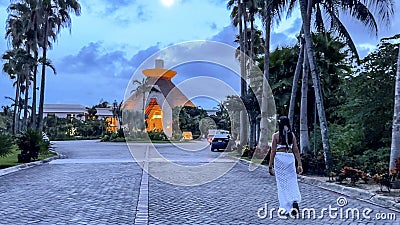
<point>74,193</point>
<point>100,183</point>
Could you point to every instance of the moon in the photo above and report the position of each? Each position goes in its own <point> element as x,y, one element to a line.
<point>167,3</point>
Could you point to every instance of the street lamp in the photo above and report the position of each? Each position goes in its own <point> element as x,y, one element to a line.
<point>115,106</point>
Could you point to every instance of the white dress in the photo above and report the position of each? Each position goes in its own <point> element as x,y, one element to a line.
<point>286,180</point>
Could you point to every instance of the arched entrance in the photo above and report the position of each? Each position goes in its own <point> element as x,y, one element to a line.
<point>154,116</point>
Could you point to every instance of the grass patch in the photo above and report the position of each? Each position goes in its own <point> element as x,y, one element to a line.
<point>12,159</point>
<point>9,160</point>
<point>46,155</point>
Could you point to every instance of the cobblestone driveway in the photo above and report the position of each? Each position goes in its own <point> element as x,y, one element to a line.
<point>236,197</point>
<point>97,184</point>
<point>100,183</point>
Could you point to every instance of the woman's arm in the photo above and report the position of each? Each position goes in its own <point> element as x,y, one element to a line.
<point>272,156</point>
<point>297,155</point>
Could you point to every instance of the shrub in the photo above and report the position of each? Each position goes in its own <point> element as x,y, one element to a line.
<point>120,133</point>
<point>6,144</point>
<point>383,180</point>
<point>30,143</point>
<point>105,138</point>
<point>246,151</point>
<point>118,139</point>
<point>177,136</point>
<point>157,135</point>
<point>353,174</point>
<point>313,164</point>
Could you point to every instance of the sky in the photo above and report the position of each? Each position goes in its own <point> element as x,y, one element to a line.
<point>96,59</point>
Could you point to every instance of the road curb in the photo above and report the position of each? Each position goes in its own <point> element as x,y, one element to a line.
<point>24,166</point>
<point>392,203</point>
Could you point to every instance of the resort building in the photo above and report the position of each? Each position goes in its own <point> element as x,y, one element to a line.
<point>157,103</point>
<point>65,111</point>
<point>80,112</point>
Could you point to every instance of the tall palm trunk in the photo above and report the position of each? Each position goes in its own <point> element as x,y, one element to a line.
<point>304,139</point>
<point>243,88</point>
<point>43,78</point>
<point>253,126</point>
<point>253,120</point>
<point>295,83</point>
<point>395,148</point>
<point>317,85</point>
<point>27,86</point>
<point>16,106</point>
<point>33,116</point>
<point>251,37</point>
<point>264,125</point>
<point>25,118</point>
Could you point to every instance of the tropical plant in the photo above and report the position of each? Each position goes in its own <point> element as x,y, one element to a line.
<point>187,118</point>
<point>55,14</point>
<point>30,143</point>
<point>29,26</point>
<point>18,65</point>
<point>6,144</point>
<point>157,135</point>
<point>359,11</point>
<point>143,88</point>
<point>239,16</point>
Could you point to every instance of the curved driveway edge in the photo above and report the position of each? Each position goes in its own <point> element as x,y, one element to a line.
<point>24,166</point>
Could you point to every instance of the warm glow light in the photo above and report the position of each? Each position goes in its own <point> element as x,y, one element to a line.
<point>167,3</point>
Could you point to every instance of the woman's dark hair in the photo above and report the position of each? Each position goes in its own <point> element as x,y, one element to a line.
<point>284,121</point>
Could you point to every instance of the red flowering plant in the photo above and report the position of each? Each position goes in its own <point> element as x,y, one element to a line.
<point>353,174</point>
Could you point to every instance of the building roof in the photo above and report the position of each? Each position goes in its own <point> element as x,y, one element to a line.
<point>172,94</point>
<point>104,112</point>
<point>64,108</point>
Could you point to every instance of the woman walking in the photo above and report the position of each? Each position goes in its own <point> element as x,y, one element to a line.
<point>282,165</point>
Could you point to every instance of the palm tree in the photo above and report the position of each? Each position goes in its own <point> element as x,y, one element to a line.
<point>296,77</point>
<point>304,139</point>
<point>359,11</point>
<point>16,33</point>
<point>270,10</point>
<point>144,86</point>
<point>18,65</point>
<point>395,147</point>
<point>237,15</point>
<point>55,14</point>
<point>317,85</point>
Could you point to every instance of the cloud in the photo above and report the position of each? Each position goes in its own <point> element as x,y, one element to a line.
<point>227,35</point>
<point>92,59</point>
<point>113,6</point>
<point>295,28</point>
<point>94,73</point>
<point>142,55</point>
<point>122,12</point>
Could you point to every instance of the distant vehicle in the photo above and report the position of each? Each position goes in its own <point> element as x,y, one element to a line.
<point>212,133</point>
<point>44,137</point>
<point>220,141</point>
<point>187,135</point>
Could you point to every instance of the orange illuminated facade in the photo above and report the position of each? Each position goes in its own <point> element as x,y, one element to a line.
<point>160,101</point>
<point>154,116</point>
<point>112,124</point>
